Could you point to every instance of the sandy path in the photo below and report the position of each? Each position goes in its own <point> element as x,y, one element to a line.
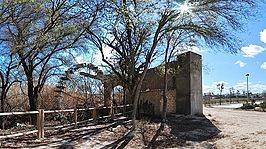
<point>240,129</point>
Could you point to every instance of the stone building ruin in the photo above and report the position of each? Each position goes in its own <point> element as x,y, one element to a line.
<point>184,86</point>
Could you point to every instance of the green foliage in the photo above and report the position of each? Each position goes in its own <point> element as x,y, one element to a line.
<point>263,105</point>
<point>41,34</point>
<point>256,105</point>
<point>247,106</point>
<point>264,95</point>
<point>161,70</point>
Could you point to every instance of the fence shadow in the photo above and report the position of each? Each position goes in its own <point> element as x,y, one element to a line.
<point>66,139</point>
<point>121,142</point>
<point>183,129</point>
<point>176,132</point>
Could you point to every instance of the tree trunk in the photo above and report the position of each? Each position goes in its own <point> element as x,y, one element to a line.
<point>165,85</point>
<point>32,95</point>
<point>137,90</point>
<point>3,102</point>
<point>164,93</point>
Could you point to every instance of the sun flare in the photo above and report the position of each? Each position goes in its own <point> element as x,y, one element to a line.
<point>184,8</point>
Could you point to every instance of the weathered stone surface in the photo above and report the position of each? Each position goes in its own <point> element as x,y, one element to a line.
<point>184,86</point>
<point>171,101</point>
<point>153,97</point>
<point>189,84</point>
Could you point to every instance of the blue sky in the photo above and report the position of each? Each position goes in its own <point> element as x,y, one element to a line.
<point>231,69</point>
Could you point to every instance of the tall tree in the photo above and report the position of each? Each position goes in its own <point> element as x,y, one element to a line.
<point>172,41</point>
<point>135,31</point>
<point>40,34</point>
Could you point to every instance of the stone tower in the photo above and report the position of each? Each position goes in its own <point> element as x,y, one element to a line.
<point>189,84</point>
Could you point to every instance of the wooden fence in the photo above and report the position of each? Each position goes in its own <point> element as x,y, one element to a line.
<point>41,115</point>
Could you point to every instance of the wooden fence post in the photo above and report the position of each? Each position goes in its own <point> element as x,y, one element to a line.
<point>94,114</point>
<point>112,111</point>
<point>124,110</point>
<point>40,123</point>
<point>75,117</point>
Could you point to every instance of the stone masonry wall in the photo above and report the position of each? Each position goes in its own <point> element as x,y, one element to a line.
<point>155,98</point>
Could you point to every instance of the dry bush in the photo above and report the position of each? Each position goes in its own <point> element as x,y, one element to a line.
<point>17,99</point>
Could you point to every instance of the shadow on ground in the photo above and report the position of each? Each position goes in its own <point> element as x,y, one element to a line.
<point>66,138</point>
<point>121,142</point>
<point>179,130</point>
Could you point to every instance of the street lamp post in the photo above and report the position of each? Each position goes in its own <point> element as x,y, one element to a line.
<point>247,75</point>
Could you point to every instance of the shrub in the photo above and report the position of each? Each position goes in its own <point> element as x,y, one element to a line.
<point>247,106</point>
<point>263,105</point>
<point>256,105</point>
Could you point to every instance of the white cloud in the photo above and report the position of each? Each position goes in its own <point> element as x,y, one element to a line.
<point>213,87</point>
<point>241,86</point>
<point>240,63</point>
<point>257,88</point>
<point>252,50</point>
<point>98,56</point>
<point>186,48</point>
<point>254,88</point>
<point>263,36</point>
<point>80,59</point>
<point>196,50</point>
<point>263,66</point>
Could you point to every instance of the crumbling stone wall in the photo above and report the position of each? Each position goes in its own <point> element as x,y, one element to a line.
<point>184,86</point>
<point>154,80</point>
<point>153,97</point>
<point>171,101</point>
<point>152,100</point>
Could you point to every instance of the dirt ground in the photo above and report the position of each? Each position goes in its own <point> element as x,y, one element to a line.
<point>219,128</point>
<point>239,129</point>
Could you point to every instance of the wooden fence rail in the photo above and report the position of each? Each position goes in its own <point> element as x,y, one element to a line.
<point>41,115</point>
